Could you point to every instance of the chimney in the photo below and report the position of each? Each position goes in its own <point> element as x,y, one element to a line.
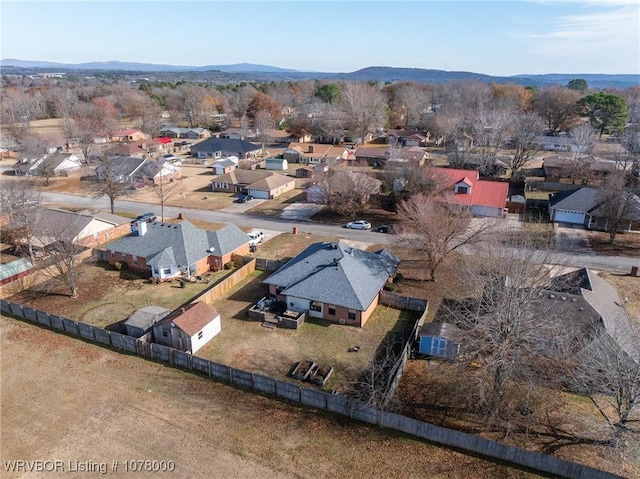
<point>142,227</point>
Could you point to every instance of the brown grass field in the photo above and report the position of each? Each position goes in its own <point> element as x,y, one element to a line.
<point>70,401</point>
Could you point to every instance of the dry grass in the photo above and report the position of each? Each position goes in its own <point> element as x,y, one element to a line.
<point>111,406</point>
<point>626,244</point>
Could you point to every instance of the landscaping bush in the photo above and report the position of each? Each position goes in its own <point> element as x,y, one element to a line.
<point>117,265</point>
<point>230,265</point>
<point>399,278</point>
<point>390,287</point>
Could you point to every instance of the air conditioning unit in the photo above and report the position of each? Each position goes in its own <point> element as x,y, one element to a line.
<point>342,321</point>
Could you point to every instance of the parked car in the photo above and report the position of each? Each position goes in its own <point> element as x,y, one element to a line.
<point>359,225</point>
<point>385,229</point>
<point>244,198</point>
<point>255,237</point>
<point>148,217</point>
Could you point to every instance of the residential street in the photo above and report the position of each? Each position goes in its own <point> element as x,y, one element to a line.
<point>614,264</point>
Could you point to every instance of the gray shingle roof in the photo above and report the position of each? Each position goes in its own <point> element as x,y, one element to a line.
<point>340,275</point>
<point>225,144</point>
<point>179,243</point>
<point>145,317</point>
<point>580,199</point>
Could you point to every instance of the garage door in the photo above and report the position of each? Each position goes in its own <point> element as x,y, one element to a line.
<point>264,195</point>
<point>564,216</point>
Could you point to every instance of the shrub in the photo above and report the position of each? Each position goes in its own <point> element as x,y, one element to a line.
<point>390,287</point>
<point>229,265</point>
<point>117,265</point>
<point>399,278</point>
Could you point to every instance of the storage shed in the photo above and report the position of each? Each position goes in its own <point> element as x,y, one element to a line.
<point>436,340</point>
<point>278,164</point>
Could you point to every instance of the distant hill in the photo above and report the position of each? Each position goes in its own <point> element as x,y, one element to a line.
<point>142,67</point>
<point>253,72</point>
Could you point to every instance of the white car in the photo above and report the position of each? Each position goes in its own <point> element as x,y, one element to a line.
<point>256,237</point>
<point>359,225</point>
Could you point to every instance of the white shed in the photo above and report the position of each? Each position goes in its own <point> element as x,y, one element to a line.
<point>188,328</point>
<point>279,164</point>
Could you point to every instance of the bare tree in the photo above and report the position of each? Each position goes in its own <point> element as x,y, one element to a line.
<point>618,207</point>
<point>164,189</point>
<point>89,122</point>
<point>110,183</point>
<point>436,225</point>
<point>345,192</point>
<point>64,251</point>
<point>558,106</point>
<point>524,129</point>
<point>610,378</point>
<point>513,332</point>
<point>365,109</point>
<point>582,141</point>
<point>46,169</point>
<point>239,99</point>
<point>263,124</point>
<point>21,201</point>
<point>489,129</point>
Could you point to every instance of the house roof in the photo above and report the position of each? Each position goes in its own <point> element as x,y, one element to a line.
<point>334,273</point>
<point>225,144</point>
<point>579,199</point>
<point>441,329</point>
<point>124,166</point>
<point>371,152</point>
<point>406,133</point>
<point>134,147</point>
<point>483,192</point>
<point>130,131</point>
<point>631,204</point>
<point>20,265</point>
<point>181,244</point>
<point>271,182</point>
<point>251,177</point>
<point>144,318</point>
<point>605,301</point>
<point>192,317</point>
<point>226,163</point>
<point>557,162</point>
<point>319,150</point>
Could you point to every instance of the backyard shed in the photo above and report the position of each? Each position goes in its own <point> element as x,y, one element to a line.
<point>278,164</point>
<point>435,340</point>
<point>140,324</point>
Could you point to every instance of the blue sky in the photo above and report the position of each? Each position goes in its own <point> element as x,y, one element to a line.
<point>496,38</point>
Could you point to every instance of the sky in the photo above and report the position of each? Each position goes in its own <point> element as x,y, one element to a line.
<point>499,38</point>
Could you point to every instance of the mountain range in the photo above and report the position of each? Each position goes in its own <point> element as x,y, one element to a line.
<point>251,71</point>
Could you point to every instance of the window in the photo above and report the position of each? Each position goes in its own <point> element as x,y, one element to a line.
<point>166,271</point>
<point>332,311</point>
<point>279,289</point>
<point>352,314</point>
<point>135,260</point>
<point>165,333</point>
<point>463,189</point>
<point>113,254</point>
<point>200,335</point>
<point>315,306</point>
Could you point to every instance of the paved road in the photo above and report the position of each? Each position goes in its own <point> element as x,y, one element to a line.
<point>615,264</point>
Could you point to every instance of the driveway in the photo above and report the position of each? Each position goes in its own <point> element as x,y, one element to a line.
<point>300,211</point>
<point>242,207</point>
<point>571,237</point>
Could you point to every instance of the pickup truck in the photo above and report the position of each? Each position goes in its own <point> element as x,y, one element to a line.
<point>255,237</point>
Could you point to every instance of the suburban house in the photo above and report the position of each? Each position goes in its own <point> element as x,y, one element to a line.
<point>159,172</point>
<point>257,183</point>
<point>57,163</point>
<point>583,206</point>
<point>191,133</point>
<point>378,157</point>
<point>334,282</point>
<point>14,270</point>
<point>561,170</point>
<point>188,328</point>
<point>125,169</point>
<point>315,154</point>
<point>310,171</point>
<point>170,250</point>
<point>83,228</point>
<point>137,149</point>
<point>140,324</point>
<point>222,147</point>
<point>407,137</point>
<point>128,135</point>
<point>224,166</point>
<point>562,143</point>
<point>484,197</point>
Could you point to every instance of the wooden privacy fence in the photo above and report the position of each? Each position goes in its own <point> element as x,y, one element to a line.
<point>219,289</point>
<point>396,301</point>
<point>335,403</point>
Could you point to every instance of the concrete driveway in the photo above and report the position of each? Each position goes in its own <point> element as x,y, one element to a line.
<point>300,211</point>
<point>571,237</point>
<point>242,207</point>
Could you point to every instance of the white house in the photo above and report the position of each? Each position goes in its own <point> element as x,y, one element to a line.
<point>188,328</point>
